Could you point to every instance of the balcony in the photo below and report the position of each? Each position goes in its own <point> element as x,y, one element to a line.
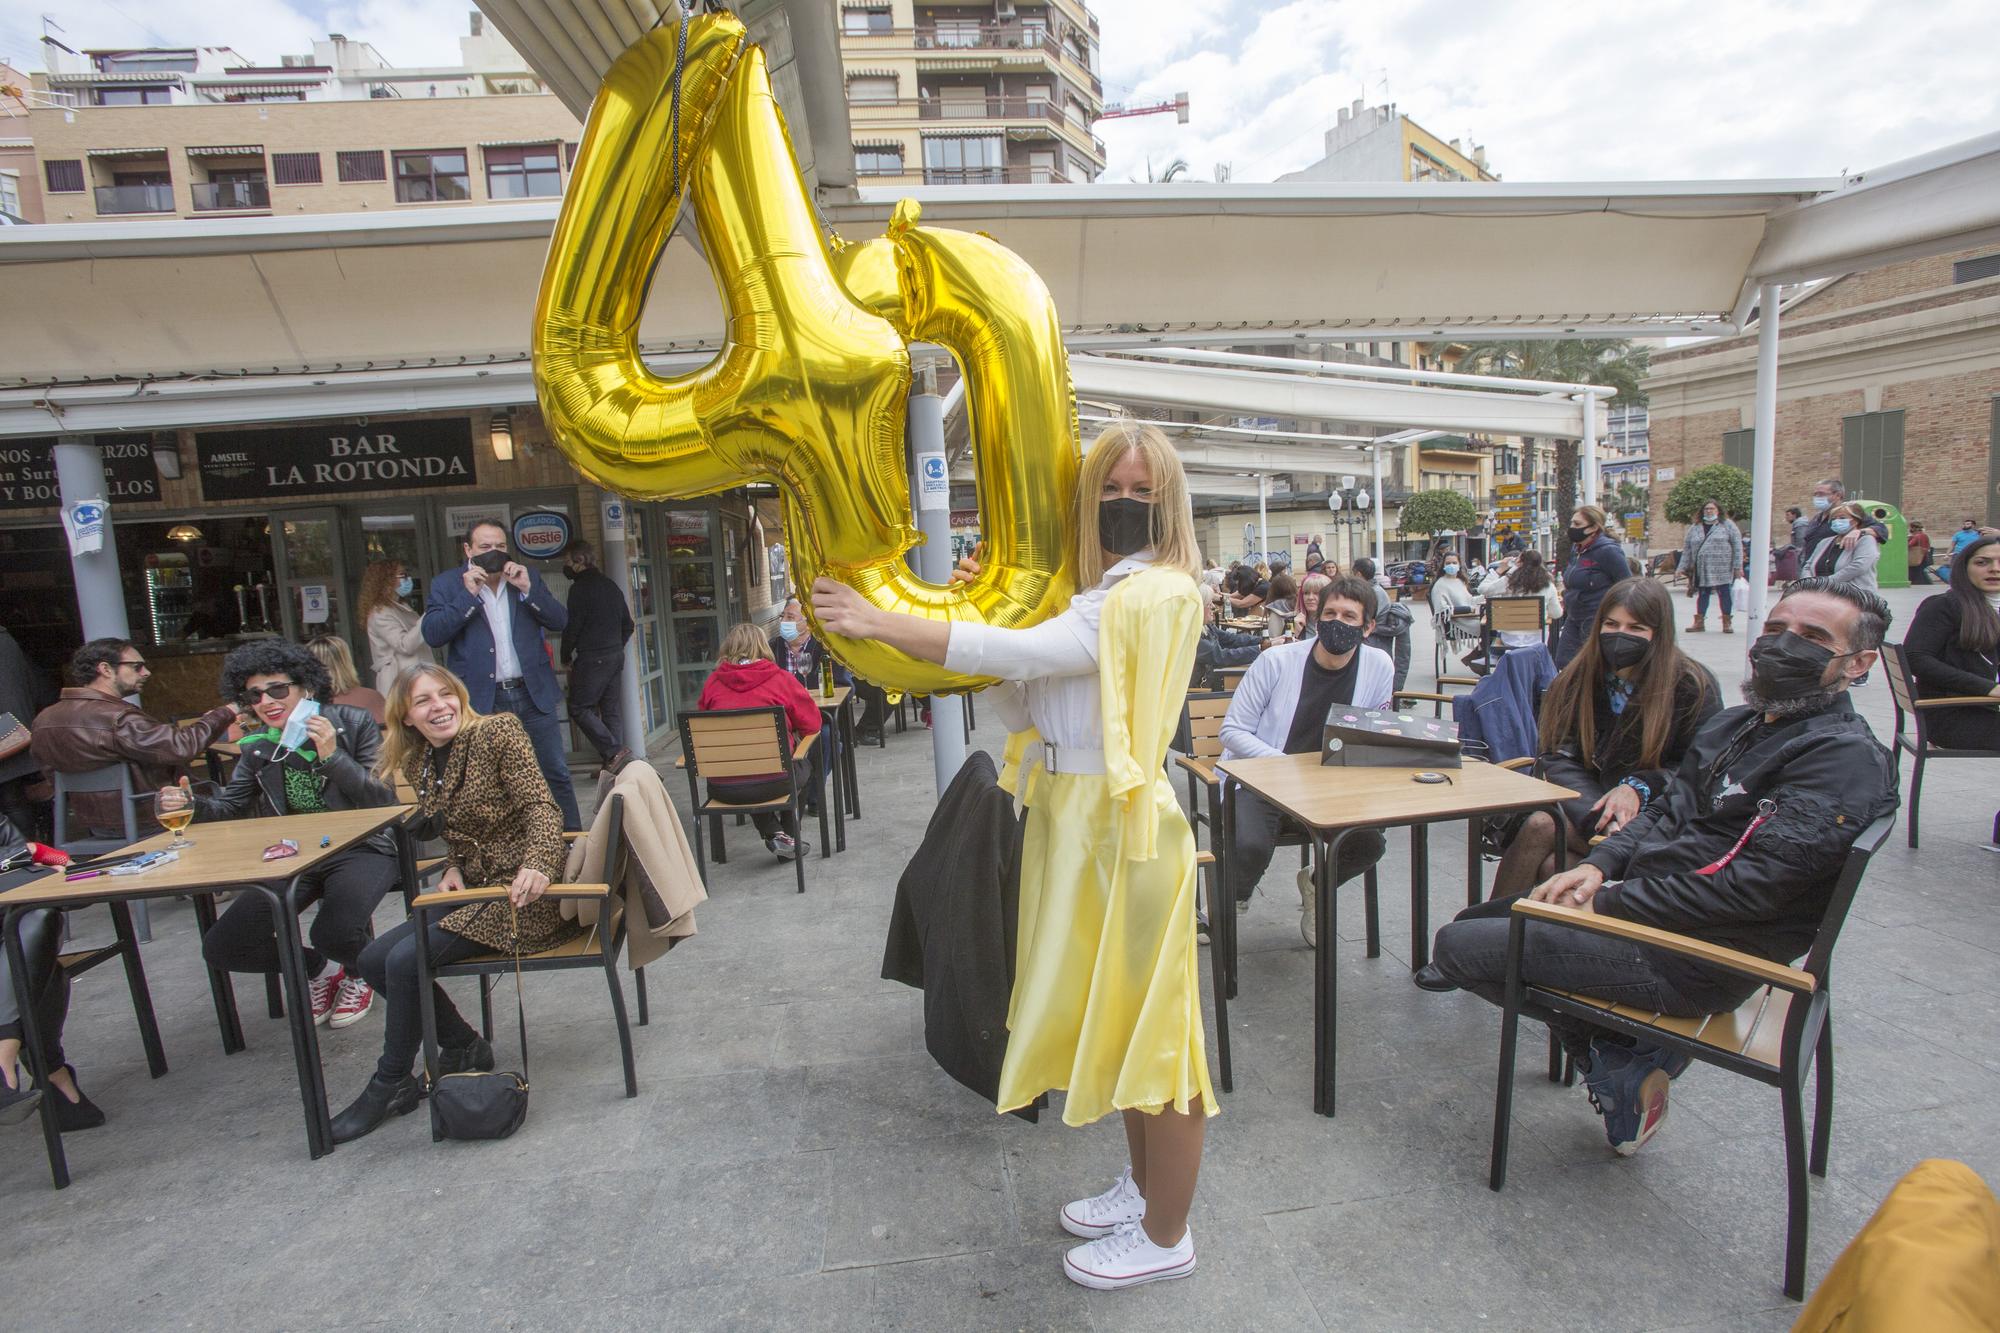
<point>115,199</point>
<point>989,108</point>
<point>231,196</point>
<point>987,36</point>
<point>994,176</point>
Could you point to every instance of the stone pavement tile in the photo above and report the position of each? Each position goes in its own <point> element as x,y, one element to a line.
<point>1961,1024</point>
<point>866,1027</point>
<point>1872,1154</point>
<point>716,1222</point>
<point>1243,1278</point>
<point>1019,1287</point>
<point>824,1302</point>
<point>687,1040</point>
<point>1939,958</point>
<point>1051,1164</point>
<point>835,970</point>
<point>888,1099</point>
<point>891,1199</point>
<point>726,1118</point>
<point>1463,1256</point>
<point>1777,1319</point>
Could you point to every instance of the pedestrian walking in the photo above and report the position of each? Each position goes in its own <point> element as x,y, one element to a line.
<point>1920,554</point>
<point>488,615</point>
<point>1711,559</point>
<point>593,648</point>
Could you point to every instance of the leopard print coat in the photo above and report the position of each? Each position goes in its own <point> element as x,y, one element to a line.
<point>496,816</point>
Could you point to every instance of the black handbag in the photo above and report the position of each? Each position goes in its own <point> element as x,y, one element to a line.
<point>473,1105</point>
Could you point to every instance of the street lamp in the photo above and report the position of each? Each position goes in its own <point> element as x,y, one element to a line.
<point>1350,505</point>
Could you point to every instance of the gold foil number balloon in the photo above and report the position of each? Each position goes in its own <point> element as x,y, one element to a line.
<point>810,387</point>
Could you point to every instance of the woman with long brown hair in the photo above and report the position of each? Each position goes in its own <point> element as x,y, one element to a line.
<point>480,790</point>
<point>395,632</point>
<point>1105,1002</point>
<point>1614,726</point>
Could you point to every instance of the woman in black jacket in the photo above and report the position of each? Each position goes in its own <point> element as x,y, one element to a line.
<point>1596,563</point>
<point>1953,645</point>
<point>329,769</point>
<point>1614,726</point>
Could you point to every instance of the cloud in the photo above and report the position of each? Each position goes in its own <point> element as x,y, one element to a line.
<point>406,32</point>
<point>1673,89</point>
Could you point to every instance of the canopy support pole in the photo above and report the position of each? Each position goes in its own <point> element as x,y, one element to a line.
<point>1589,405</point>
<point>1263,518</point>
<point>100,596</point>
<point>926,435</point>
<point>1763,466</point>
<point>1375,476</point>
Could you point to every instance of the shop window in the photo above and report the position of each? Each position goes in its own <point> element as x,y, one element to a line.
<point>360,165</point>
<point>295,169</point>
<point>432,175</point>
<point>866,22</point>
<point>64,176</point>
<point>523,172</point>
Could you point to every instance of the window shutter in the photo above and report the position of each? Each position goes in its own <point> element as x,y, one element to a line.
<point>295,168</point>
<point>1888,479</point>
<point>64,176</point>
<point>1739,448</point>
<point>362,165</point>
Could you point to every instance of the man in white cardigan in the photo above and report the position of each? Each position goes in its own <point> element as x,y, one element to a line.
<point>1281,707</point>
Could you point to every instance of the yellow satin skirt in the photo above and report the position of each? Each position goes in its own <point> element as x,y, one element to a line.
<point>1107,997</point>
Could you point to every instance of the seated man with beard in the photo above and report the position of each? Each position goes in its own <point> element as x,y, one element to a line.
<point>1742,848</point>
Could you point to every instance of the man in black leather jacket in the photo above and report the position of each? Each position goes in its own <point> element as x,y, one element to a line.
<point>1742,849</point>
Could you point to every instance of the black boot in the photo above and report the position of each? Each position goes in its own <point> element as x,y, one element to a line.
<point>18,1099</point>
<point>476,1056</point>
<point>72,1116</point>
<point>378,1101</point>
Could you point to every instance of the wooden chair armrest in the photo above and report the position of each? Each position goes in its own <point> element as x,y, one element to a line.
<point>1201,768</point>
<point>1458,680</point>
<point>1961,701</point>
<point>575,834</point>
<point>1715,955</point>
<point>498,893</point>
<point>805,745</point>
<point>431,865</point>
<point>1521,765</point>
<point>1424,695</point>
<point>681,762</point>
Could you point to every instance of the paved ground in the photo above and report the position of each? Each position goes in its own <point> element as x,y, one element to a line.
<point>794,1158</point>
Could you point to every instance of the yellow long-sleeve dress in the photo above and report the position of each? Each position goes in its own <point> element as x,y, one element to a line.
<point>1106,1001</point>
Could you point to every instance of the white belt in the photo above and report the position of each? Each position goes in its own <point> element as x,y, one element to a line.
<point>1066,759</point>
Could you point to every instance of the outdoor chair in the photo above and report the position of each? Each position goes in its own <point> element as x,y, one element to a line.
<point>109,778</point>
<point>1775,1037</point>
<point>1511,615</point>
<point>745,743</point>
<point>1903,691</point>
<point>598,947</point>
<point>1451,637</point>
<point>1435,698</point>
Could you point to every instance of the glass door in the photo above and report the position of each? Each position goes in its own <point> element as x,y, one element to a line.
<point>398,531</point>
<point>647,620</point>
<point>312,573</point>
<point>696,597</point>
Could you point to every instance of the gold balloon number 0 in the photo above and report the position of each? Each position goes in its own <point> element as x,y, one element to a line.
<point>810,388</point>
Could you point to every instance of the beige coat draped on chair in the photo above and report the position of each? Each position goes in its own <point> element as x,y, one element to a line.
<point>661,882</point>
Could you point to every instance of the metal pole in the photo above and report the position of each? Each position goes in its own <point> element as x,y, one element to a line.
<point>616,507</point>
<point>931,485</point>
<point>1375,475</point>
<point>1763,461</point>
<point>100,598</point>
<point>1589,405</point>
<point>1263,520</point>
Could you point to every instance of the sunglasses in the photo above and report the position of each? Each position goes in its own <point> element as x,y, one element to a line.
<point>139,665</point>
<point>249,697</point>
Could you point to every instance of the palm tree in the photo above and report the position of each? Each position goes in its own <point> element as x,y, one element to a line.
<point>1613,362</point>
<point>1177,167</point>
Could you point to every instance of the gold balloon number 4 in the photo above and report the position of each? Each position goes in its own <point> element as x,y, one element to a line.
<point>811,386</point>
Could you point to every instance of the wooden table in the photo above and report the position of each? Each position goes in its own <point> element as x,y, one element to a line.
<point>1256,625</point>
<point>1333,802</point>
<point>226,854</point>
<point>844,784</point>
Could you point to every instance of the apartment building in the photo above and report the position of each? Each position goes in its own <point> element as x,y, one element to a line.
<point>972,94</point>
<point>1380,143</point>
<point>204,131</point>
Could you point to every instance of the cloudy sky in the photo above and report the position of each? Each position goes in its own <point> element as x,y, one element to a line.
<point>1555,90</point>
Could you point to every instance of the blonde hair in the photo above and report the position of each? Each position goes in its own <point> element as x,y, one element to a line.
<point>1593,516</point>
<point>401,742</point>
<point>744,641</point>
<point>339,663</point>
<point>1172,535</point>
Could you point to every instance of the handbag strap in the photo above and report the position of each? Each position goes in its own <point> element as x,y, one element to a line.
<point>520,1004</point>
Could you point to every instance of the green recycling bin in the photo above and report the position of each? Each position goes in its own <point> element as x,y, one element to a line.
<point>1894,570</point>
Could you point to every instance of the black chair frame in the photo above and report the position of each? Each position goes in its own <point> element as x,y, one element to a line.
<point>1902,690</point>
<point>794,802</point>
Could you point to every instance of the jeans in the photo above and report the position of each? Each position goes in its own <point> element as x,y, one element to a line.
<point>1472,951</point>
<point>1254,838</point>
<point>48,985</point>
<point>1920,574</point>
<point>805,773</point>
<point>390,966</point>
<point>1722,591</point>
<point>545,734</point>
<point>595,686</point>
<point>347,889</point>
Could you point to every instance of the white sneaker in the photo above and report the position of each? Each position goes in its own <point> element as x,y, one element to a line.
<point>1127,1258</point>
<point>1308,908</point>
<point>1103,1214</point>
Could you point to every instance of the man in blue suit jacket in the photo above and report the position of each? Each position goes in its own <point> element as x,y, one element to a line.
<point>489,617</point>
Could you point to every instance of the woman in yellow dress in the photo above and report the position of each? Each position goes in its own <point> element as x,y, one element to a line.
<point>1106,1002</point>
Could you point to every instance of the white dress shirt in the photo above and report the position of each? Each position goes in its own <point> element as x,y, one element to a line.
<point>499,607</point>
<point>1049,671</point>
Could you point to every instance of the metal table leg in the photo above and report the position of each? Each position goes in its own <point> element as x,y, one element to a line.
<point>298,1013</point>
<point>831,788</point>
<point>142,996</point>
<point>1420,895</point>
<point>219,984</point>
<point>1326,977</point>
<point>1475,861</point>
<point>31,1048</point>
<point>849,747</point>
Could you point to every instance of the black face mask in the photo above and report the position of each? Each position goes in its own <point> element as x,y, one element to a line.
<point>1785,669</point>
<point>1578,536</point>
<point>1338,637</point>
<point>1124,525</point>
<point>491,561</point>
<point>1620,650</point>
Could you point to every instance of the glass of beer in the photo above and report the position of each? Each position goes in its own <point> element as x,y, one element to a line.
<point>174,808</point>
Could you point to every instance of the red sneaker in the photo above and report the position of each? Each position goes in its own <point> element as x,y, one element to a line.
<point>322,991</point>
<point>355,1000</point>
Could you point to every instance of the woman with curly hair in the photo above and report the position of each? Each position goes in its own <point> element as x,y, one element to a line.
<point>328,770</point>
